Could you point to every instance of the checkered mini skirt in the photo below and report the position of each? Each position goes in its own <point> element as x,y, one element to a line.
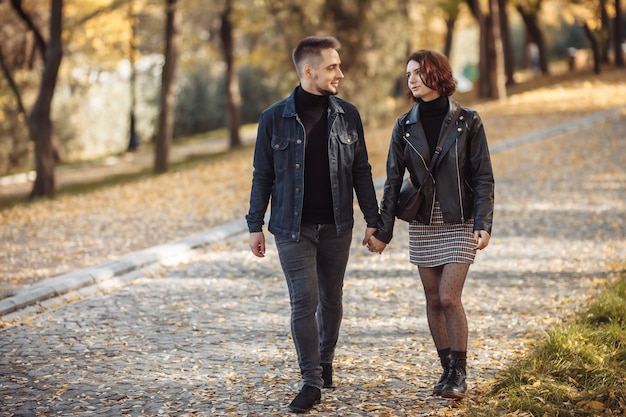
<point>439,244</point>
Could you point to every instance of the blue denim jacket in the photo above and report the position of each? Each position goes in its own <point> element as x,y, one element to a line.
<point>279,168</point>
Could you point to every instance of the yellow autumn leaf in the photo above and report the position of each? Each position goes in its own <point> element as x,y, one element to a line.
<point>595,405</point>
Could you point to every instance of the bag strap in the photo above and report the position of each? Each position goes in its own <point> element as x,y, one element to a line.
<point>438,149</point>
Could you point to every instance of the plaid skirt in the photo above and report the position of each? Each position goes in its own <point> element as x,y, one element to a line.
<point>439,244</point>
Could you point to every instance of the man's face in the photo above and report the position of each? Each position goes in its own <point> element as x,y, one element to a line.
<point>324,80</point>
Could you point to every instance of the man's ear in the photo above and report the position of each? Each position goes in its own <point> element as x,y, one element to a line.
<point>307,70</point>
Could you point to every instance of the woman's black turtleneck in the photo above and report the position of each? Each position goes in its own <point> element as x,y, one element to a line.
<point>318,199</point>
<point>432,113</point>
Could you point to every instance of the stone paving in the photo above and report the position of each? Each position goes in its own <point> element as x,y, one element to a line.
<point>208,335</point>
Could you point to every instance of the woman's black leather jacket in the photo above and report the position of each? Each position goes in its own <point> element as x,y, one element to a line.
<point>463,177</point>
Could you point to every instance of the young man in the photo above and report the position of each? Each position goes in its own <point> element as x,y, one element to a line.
<point>310,156</point>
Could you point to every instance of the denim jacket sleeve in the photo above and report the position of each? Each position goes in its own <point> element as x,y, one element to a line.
<point>362,178</point>
<point>262,177</point>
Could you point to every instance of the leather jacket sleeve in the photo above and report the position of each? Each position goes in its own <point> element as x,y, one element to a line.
<point>481,175</point>
<point>393,183</point>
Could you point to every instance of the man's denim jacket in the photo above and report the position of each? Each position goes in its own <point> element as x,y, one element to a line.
<point>279,168</point>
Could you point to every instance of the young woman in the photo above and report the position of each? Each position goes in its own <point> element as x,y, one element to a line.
<point>454,220</point>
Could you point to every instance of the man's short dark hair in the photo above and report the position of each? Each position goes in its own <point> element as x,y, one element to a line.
<point>308,51</point>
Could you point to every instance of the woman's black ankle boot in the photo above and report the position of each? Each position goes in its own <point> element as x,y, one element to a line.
<point>445,365</point>
<point>456,387</point>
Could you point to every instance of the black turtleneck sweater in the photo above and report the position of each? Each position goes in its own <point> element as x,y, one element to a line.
<point>318,200</point>
<point>432,114</point>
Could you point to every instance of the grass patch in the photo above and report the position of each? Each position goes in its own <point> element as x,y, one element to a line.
<point>578,370</point>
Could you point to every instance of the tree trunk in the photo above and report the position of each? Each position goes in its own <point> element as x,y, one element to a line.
<point>167,99</point>
<point>484,88</point>
<point>39,122</point>
<point>618,35</point>
<point>497,77</point>
<point>447,48</point>
<point>605,33</point>
<point>535,35</point>
<point>507,44</point>
<point>595,47</point>
<point>133,139</point>
<point>233,95</point>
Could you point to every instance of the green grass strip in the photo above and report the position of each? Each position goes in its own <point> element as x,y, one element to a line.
<point>578,370</point>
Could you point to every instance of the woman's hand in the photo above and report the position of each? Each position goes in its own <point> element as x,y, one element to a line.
<point>375,245</point>
<point>481,237</point>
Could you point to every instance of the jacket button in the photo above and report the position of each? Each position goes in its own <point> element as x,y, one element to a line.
<point>298,166</point>
<point>459,129</point>
<point>299,141</point>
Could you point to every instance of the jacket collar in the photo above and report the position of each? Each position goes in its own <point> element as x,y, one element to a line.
<point>412,116</point>
<point>334,105</point>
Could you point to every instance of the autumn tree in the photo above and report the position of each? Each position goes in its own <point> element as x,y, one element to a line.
<point>133,139</point>
<point>38,121</point>
<point>507,43</point>
<point>233,96</point>
<point>451,10</point>
<point>591,16</point>
<point>163,140</point>
<point>491,80</point>
<point>618,34</point>
<point>530,11</point>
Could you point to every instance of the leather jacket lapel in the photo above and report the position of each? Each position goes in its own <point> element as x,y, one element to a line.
<point>454,132</point>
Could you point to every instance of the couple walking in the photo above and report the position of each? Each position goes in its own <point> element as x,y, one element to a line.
<point>311,158</point>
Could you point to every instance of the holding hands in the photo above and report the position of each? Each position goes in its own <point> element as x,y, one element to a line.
<point>481,237</point>
<point>375,245</point>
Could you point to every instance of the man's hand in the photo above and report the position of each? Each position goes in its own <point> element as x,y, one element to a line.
<point>257,244</point>
<point>375,245</point>
<point>368,234</point>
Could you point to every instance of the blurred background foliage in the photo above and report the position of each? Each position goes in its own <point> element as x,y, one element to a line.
<point>113,55</point>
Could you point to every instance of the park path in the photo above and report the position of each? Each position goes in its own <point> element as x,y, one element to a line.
<point>207,334</point>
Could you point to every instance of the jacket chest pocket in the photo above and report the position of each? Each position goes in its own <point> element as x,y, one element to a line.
<point>346,144</point>
<point>283,152</point>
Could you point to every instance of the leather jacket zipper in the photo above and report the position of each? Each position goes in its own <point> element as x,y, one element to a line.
<point>458,180</point>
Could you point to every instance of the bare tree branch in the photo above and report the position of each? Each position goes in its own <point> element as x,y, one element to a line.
<point>12,83</point>
<point>41,43</point>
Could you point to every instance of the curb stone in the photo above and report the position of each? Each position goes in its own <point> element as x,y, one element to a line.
<point>63,284</point>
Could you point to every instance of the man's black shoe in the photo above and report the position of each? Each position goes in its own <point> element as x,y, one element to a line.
<point>306,399</point>
<point>327,374</point>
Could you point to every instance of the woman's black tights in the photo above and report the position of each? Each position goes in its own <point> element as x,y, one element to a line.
<point>443,287</point>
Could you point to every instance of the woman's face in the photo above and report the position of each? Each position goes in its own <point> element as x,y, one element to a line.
<point>416,85</point>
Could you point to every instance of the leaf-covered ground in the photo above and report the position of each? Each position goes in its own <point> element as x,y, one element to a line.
<point>48,238</point>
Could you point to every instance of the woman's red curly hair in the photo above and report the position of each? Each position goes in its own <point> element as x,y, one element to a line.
<point>435,72</point>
